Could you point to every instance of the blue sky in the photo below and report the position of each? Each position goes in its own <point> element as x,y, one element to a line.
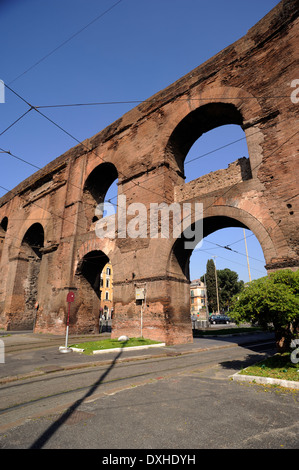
<point>108,51</point>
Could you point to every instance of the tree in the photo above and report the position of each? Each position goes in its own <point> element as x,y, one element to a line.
<point>229,285</point>
<point>211,286</point>
<point>271,301</point>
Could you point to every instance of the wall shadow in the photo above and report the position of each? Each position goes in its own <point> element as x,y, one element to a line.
<point>43,439</point>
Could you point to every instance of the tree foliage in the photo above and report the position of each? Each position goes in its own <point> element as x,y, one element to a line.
<point>271,301</point>
<point>228,286</point>
<point>211,286</point>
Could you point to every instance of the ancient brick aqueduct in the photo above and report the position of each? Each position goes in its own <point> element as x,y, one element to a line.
<point>48,241</point>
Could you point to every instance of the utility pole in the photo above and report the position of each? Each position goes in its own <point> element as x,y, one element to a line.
<point>216,284</point>
<point>206,296</point>
<point>247,256</point>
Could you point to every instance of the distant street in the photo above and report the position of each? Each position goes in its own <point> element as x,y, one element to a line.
<point>174,402</point>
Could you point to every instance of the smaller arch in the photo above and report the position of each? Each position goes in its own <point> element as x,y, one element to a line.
<point>91,266</point>
<point>220,217</point>
<point>96,187</point>
<point>3,230</point>
<point>4,224</point>
<point>34,238</point>
<point>89,293</point>
<point>198,122</point>
<point>27,282</point>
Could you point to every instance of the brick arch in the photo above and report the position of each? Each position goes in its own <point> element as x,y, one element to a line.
<point>95,188</point>
<point>206,109</point>
<point>106,246</point>
<point>91,258</point>
<point>29,271</point>
<point>222,216</point>
<point>3,230</point>
<point>39,216</point>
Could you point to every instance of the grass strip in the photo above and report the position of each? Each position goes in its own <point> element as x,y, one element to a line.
<point>278,366</point>
<point>91,346</point>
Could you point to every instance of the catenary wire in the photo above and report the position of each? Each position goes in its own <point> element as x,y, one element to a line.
<point>32,107</point>
<point>66,41</point>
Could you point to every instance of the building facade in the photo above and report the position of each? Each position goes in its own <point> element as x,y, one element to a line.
<point>106,290</point>
<point>198,299</point>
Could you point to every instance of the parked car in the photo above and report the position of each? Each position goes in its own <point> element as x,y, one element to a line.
<point>214,319</point>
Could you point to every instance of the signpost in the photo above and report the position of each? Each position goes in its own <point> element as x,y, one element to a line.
<point>70,298</point>
<point>140,293</point>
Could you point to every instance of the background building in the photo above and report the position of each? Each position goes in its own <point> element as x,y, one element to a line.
<point>106,288</point>
<point>198,299</point>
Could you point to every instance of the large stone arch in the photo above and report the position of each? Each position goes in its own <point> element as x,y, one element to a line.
<point>28,280</point>
<point>91,258</point>
<point>204,108</point>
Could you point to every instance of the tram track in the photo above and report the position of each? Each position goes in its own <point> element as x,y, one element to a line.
<point>168,370</point>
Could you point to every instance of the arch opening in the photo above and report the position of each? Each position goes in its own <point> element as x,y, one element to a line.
<point>95,295</point>
<point>27,280</point>
<point>100,185</point>
<point>3,230</point>
<point>224,240</point>
<point>201,133</point>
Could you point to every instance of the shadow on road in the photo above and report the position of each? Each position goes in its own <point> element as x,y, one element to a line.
<point>238,365</point>
<point>42,440</point>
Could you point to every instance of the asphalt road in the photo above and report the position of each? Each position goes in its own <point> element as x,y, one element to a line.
<point>173,402</point>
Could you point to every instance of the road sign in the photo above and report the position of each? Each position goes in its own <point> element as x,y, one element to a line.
<point>140,293</point>
<point>70,297</point>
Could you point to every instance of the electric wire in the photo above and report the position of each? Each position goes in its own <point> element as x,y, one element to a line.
<point>66,41</point>
<point>60,127</point>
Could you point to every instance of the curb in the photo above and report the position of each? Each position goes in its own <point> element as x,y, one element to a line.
<point>130,348</point>
<point>164,354</point>
<point>265,380</point>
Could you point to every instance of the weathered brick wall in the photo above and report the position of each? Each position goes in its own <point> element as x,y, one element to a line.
<point>248,84</point>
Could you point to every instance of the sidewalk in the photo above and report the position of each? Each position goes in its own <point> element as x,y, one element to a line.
<point>29,354</point>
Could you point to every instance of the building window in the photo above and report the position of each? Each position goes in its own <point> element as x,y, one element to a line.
<point>108,271</point>
<point>107,283</point>
<point>107,296</point>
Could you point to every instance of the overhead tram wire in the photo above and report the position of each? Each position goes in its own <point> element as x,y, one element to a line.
<point>7,235</point>
<point>66,41</point>
<point>154,100</point>
<point>226,247</point>
<point>226,259</point>
<point>74,138</point>
<point>80,142</point>
<point>15,122</point>
<point>137,184</point>
<point>32,107</point>
<point>63,218</point>
<point>36,108</point>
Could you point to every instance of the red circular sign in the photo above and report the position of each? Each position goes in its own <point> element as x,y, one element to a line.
<point>70,297</point>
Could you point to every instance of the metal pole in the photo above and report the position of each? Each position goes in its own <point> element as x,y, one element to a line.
<point>67,325</point>
<point>247,256</point>
<point>206,296</point>
<point>216,285</point>
<point>141,317</point>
